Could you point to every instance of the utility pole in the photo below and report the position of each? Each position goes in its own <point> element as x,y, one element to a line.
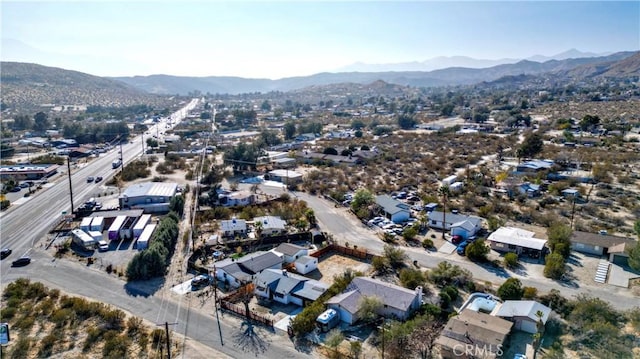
<point>166,328</point>
<point>215,302</point>
<point>142,143</point>
<point>70,187</point>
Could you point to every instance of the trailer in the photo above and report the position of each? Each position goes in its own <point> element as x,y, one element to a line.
<point>95,235</point>
<point>85,225</point>
<point>114,230</point>
<point>145,236</point>
<point>97,224</point>
<point>82,239</point>
<point>126,231</point>
<point>328,320</point>
<point>140,224</point>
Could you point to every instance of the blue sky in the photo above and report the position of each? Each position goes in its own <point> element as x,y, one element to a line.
<point>274,39</point>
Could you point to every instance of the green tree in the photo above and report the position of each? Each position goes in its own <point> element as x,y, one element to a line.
<point>477,250</point>
<point>177,204</point>
<point>634,258</point>
<point>531,146</point>
<point>152,142</point>
<point>406,121</point>
<point>357,124</point>
<point>41,122</point>
<point>589,122</point>
<point>409,233</point>
<point>559,238</point>
<point>369,308</point>
<point>266,106</point>
<point>636,227</point>
<point>511,260</point>
<point>363,198</point>
<point>444,192</point>
<point>289,130</point>
<point>554,266</point>
<point>511,289</point>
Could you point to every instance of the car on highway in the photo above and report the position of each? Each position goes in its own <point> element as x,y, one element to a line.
<point>22,261</point>
<point>98,179</point>
<point>5,253</point>
<point>90,179</point>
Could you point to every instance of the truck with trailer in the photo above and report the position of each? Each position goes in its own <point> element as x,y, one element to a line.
<point>114,229</point>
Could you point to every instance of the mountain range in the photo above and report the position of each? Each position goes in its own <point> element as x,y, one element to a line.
<point>442,62</point>
<point>451,76</point>
<point>23,83</point>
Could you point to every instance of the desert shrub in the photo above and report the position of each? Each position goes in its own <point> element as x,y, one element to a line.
<point>134,325</point>
<point>47,343</point>
<point>446,273</point>
<point>25,323</point>
<point>510,260</point>
<point>21,348</point>
<point>530,292</point>
<point>115,346</point>
<point>8,313</point>
<point>412,278</point>
<point>451,291</point>
<point>427,243</point>
<point>61,317</point>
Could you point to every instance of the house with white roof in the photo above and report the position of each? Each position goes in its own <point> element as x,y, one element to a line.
<point>233,227</point>
<point>152,197</point>
<point>517,240</point>
<point>398,302</point>
<point>526,315</point>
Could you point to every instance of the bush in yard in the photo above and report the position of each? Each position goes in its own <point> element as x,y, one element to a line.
<point>554,266</point>
<point>511,289</point>
<point>427,243</point>
<point>530,292</point>
<point>412,278</point>
<point>510,260</point>
<point>477,250</point>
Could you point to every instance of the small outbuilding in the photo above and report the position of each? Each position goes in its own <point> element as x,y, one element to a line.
<point>306,264</point>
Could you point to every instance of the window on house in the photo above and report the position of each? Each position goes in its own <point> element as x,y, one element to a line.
<point>434,222</point>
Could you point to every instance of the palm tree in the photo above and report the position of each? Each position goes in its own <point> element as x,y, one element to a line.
<point>444,192</point>
<point>258,228</point>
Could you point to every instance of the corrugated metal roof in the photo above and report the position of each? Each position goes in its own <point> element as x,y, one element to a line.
<point>160,189</point>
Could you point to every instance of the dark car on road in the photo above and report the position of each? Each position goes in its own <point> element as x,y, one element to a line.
<point>98,179</point>
<point>22,261</point>
<point>89,179</point>
<point>462,247</point>
<point>5,253</point>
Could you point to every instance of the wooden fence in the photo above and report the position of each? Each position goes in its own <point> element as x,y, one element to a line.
<point>240,310</point>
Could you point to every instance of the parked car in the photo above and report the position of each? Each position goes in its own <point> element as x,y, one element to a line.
<point>22,261</point>
<point>24,185</point>
<point>16,189</point>
<point>200,281</point>
<point>456,239</point>
<point>103,246</point>
<point>5,253</point>
<point>462,247</point>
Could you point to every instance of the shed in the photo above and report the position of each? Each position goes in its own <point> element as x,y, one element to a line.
<point>306,264</point>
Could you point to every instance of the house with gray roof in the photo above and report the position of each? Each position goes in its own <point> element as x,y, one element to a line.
<point>236,272</point>
<point>271,225</point>
<point>459,224</point>
<point>152,197</point>
<point>284,287</point>
<point>472,334</point>
<point>290,252</point>
<point>398,302</point>
<point>393,209</point>
<point>597,243</point>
